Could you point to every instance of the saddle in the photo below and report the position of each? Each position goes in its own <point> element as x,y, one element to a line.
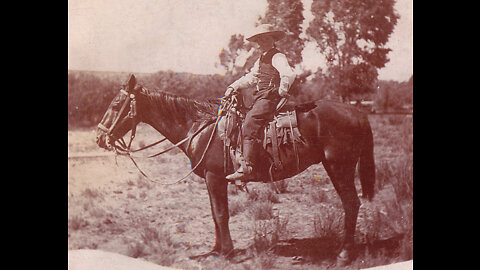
<point>281,134</point>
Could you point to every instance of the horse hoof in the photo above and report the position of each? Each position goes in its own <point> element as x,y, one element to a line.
<point>214,253</point>
<point>343,258</point>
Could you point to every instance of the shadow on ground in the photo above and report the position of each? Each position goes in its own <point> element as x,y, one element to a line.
<point>321,252</point>
<point>325,250</point>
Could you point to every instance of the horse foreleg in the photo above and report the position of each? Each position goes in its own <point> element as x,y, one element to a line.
<point>217,191</point>
<point>342,176</point>
<point>218,245</point>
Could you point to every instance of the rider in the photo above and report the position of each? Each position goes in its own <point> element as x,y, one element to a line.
<point>272,77</point>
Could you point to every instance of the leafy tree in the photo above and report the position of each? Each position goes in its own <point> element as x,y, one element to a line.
<point>286,15</point>
<point>229,56</point>
<point>352,34</point>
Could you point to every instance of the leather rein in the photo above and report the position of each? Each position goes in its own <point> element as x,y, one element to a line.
<point>122,148</point>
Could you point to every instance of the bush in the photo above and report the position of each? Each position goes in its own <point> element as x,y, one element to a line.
<point>155,244</point>
<point>264,195</point>
<point>77,222</point>
<point>268,233</point>
<point>399,173</point>
<point>261,210</point>
<point>236,206</point>
<point>328,223</point>
<point>281,186</point>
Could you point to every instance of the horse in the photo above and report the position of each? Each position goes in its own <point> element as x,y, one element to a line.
<point>335,134</point>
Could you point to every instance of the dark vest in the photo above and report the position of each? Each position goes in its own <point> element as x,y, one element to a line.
<point>268,77</point>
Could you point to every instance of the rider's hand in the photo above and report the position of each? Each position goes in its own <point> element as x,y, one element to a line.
<point>283,93</point>
<point>229,92</point>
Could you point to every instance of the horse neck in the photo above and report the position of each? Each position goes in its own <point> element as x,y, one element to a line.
<point>167,114</point>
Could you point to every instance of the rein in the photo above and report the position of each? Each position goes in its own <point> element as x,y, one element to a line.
<point>121,147</point>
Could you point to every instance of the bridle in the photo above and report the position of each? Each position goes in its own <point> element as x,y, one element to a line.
<point>121,148</point>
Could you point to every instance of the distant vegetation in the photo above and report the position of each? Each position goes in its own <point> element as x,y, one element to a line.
<point>89,92</point>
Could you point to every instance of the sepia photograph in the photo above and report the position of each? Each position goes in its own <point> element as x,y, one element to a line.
<point>253,134</point>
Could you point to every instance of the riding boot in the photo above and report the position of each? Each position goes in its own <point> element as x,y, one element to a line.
<point>246,166</point>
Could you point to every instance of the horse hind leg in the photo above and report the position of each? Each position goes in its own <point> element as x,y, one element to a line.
<point>342,176</point>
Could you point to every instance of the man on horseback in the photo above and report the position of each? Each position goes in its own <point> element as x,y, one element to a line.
<point>272,76</point>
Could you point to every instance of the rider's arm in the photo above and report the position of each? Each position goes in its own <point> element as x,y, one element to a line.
<point>246,80</point>
<point>287,75</point>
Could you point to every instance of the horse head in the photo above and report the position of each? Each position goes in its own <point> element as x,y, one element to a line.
<point>120,116</point>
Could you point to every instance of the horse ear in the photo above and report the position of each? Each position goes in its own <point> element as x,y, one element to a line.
<point>132,81</point>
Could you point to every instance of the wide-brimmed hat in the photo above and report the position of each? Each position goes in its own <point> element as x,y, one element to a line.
<point>265,29</point>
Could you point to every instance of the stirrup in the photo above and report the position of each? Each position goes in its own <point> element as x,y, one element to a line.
<point>237,176</point>
<point>240,175</point>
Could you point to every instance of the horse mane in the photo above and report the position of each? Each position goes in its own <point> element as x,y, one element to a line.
<point>180,108</point>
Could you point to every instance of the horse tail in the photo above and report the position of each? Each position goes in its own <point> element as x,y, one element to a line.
<point>367,164</point>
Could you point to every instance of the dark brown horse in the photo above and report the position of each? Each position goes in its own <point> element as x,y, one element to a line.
<point>335,134</point>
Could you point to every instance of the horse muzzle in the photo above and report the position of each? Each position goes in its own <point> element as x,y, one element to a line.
<point>103,140</point>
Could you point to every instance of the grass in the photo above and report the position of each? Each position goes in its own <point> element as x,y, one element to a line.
<point>263,194</point>
<point>165,224</point>
<point>328,223</point>
<point>261,210</point>
<point>77,222</point>
<point>267,233</point>
<point>91,193</point>
<point>155,244</point>
<point>237,205</point>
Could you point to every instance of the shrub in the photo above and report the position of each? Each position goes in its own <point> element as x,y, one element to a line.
<point>281,186</point>
<point>268,233</point>
<point>271,196</point>
<point>327,223</point>
<point>318,195</point>
<point>263,195</point>
<point>156,244</point>
<point>402,180</point>
<point>399,173</point>
<point>261,210</point>
<point>136,250</point>
<point>91,193</point>
<point>236,206</point>
<point>77,222</point>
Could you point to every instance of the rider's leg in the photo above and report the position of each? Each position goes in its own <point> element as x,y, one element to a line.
<point>255,120</point>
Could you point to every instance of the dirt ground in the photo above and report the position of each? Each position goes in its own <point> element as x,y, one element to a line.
<point>112,207</point>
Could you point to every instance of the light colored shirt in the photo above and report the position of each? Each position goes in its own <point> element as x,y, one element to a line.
<point>280,63</point>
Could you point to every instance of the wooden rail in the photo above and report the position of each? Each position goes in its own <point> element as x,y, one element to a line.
<point>90,155</point>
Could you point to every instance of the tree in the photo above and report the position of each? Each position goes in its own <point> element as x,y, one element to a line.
<point>229,56</point>
<point>352,34</point>
<point>286,15</point>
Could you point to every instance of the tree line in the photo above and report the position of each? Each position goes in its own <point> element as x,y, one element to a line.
<point>90,92</point>
<point>350,34</point>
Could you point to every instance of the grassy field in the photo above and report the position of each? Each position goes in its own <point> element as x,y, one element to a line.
<point>112,207</point>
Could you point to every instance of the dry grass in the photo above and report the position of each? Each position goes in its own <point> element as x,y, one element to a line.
<point>267,233</point>
<point>114,208</point>
<point>328,223</point>
<point>261,210</point>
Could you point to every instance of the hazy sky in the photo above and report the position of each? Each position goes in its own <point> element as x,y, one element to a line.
<point>187,35</point>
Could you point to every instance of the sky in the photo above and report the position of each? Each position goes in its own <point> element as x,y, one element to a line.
<point>187,36</point>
